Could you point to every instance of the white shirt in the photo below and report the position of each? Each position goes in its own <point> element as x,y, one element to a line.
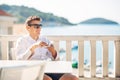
<point>23,49</point>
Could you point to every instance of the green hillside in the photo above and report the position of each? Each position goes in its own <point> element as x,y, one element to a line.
<point>98,21</point>
<point>22,12</point>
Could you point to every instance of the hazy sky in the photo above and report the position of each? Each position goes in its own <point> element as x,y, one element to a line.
<point>74,10</point>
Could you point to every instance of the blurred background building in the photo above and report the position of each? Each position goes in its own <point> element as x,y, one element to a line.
<point>6,23</point>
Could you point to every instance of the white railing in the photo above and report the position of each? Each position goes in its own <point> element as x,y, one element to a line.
<point>105,39</point>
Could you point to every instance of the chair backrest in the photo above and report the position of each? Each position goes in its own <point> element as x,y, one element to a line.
<point>12,54</point>
<point>31,72</point>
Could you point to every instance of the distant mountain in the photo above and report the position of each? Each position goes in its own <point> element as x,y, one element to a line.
<point>98,21</point>
<point>22,12</point>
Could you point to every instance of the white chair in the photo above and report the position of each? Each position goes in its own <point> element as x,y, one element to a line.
<point>31,72</point>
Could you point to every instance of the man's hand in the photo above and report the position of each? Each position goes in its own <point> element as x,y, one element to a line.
<point>43,44</point>
<point>38,44</point>
<point>50,48</point>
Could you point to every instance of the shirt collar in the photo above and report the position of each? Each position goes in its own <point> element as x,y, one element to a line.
<point>31,39</point>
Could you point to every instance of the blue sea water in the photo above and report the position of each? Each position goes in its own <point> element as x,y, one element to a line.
<point>82,30</point>
<point>86,30</point>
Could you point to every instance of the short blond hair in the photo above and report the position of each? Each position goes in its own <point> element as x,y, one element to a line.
<point>32,18</point>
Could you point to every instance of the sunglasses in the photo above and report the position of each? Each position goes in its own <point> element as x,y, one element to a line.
<point>36,26</point>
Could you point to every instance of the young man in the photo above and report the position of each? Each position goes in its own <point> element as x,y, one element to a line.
<point>36,47</point>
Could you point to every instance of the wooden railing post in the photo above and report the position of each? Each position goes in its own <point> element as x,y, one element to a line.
<point>81,58</point>
<point>93,58</point>
<point>68,51</point>
<point>105,58</point>
<point>117,58</point>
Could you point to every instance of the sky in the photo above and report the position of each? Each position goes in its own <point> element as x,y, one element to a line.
<point>74,10</point>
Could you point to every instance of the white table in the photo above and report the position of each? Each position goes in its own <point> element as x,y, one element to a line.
<point>58,67</point>
<point>51,66</point>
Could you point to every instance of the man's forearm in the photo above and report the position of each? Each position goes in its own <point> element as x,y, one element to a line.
<point>26,55</point>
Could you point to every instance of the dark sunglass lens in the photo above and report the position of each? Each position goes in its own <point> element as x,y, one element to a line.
<point>36,27</point>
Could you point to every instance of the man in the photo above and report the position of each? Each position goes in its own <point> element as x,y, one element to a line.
<point>36,47</point>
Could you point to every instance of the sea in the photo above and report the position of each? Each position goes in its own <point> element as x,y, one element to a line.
<point>85,29</point>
